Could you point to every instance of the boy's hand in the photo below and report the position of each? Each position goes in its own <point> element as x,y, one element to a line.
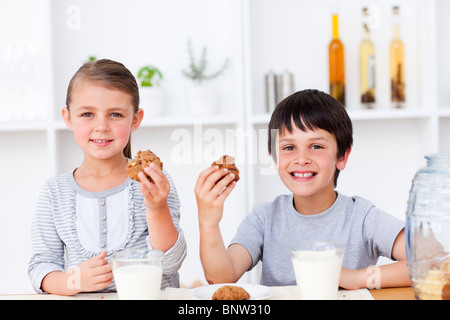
<point>155,193</point>
<point>95,273</point>
<point>212,188</point>
<point>353,279</point>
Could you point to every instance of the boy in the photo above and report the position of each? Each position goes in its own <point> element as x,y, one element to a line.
<point>310,140</point>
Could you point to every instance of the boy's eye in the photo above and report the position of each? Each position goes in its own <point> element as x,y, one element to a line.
<point>316,147</point>
<point>87,114</point>
<point>288,148</point>
<point>116,115</point>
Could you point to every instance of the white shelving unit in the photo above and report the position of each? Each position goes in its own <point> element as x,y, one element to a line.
<point>389,144</point>
<point>257,36</point>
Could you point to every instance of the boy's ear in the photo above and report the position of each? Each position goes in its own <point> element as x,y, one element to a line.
<point>342,162</point>
<point>137,119</point>
<point>66,117</point>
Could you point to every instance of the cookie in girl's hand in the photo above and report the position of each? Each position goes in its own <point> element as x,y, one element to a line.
<point>143,159</point>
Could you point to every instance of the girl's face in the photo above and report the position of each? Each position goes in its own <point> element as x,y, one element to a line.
<point>101,119</point>
<point>307,162</point>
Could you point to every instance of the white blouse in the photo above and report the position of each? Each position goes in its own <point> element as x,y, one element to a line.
<point>100,222</point>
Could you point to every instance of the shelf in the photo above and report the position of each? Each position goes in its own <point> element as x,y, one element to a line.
<point>376,114</point>
<point>189,120</point>
<point>175,121</point>
<point>23,126</point>
<point>444,112</point>
<point>388,114</point>
<point>229,119</point>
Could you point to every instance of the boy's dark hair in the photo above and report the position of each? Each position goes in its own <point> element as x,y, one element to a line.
<point>308,110</point>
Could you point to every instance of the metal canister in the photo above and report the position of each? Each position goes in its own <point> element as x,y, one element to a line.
<point>271,94</point>
<point>285,85</point>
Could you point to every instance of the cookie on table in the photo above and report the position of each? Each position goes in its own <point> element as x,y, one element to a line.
<point>231,293</point>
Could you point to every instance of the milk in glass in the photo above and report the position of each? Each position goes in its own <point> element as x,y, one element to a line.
<point>137,273</point>
<point>138,282</point>
<point>317,273</point>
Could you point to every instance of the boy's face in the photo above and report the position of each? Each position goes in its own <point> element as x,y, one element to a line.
<point>307,162</point>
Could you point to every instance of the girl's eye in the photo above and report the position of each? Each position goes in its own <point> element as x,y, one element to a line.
<point>116,115</point>
<point>87,114</point>
<point>288,148</point>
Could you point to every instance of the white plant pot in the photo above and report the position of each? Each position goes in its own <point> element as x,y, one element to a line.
<point>152,100</point>
<point>203,99</point>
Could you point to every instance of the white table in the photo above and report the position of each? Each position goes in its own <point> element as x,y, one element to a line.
<point>280,293</point>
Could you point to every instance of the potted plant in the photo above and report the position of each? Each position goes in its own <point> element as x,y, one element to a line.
<point>202,94</point>
<point>151,93</point>
<point>91,58</point>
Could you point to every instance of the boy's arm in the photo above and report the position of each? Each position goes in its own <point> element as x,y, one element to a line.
<point>220,265</point>
<point>397,273</point>
<point>391,275</point>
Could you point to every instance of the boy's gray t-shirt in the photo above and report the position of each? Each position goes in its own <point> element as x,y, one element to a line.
<point>271,228</point>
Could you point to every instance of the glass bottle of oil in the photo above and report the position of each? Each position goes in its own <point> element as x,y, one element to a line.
<point>397,68</point>
<point>336,64</point>
<point>367,65</point>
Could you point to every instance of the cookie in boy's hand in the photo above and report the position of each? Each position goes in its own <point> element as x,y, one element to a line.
<point>143,159</point>
<point>227,162</point>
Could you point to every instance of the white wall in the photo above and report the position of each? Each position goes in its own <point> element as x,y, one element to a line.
<point>442,27</point>
<point>19,188</point>
<point>138,33</point>
<point>25,97</point>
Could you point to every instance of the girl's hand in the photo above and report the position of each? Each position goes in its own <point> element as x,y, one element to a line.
<point>94,274</point>
<point>155,193</point>
<point>212,188</point>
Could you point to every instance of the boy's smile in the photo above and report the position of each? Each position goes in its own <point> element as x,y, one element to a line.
<point>307,162</point>
<point>303,175</point>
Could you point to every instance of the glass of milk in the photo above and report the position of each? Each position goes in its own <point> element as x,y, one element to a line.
<point>317,268</point>
<point>137,274</point>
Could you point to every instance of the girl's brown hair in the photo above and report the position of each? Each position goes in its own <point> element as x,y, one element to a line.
<point>111,75</point>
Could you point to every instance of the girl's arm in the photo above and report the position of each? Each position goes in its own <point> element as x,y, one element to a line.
<point>47,249</point>
<point>56,283</point>
<point>163,217</point>
<point>90,275</point>
<point>162,231</point>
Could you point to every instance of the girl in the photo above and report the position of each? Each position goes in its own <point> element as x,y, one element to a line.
<point>85,215</point>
